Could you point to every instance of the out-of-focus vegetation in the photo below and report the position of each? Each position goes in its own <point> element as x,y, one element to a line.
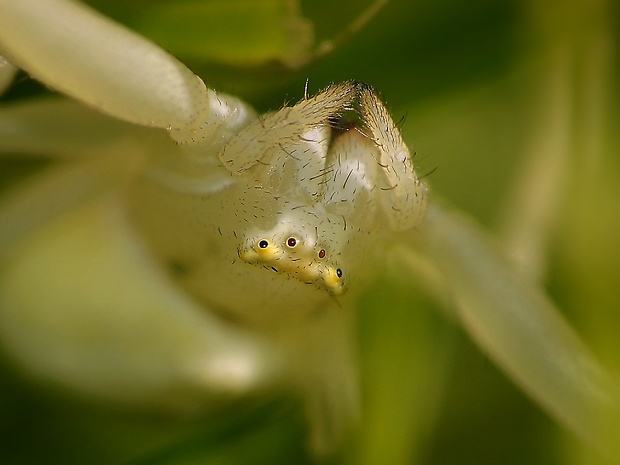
<point>513,107</point>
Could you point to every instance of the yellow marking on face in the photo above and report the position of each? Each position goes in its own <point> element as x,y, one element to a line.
<point>333,280</point>
<point>296,259</point>
<point>262,251</point>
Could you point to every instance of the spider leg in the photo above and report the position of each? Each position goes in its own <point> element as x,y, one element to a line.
<point>81,53</point>
<point>403,195</point>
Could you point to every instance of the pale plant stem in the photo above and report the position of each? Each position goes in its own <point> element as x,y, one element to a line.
<point>327,46</point>
<point>594,85</point>
<point>566,144</point>
<point>530,212</point>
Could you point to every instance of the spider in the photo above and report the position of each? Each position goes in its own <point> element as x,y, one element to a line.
<point>237,242</point>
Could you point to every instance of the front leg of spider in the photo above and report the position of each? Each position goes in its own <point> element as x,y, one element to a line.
<point>402,195</point>
<point>277,136</point>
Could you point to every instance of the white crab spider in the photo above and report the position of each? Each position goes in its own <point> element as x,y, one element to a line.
<point>301,199</point>
<point>131,79</point>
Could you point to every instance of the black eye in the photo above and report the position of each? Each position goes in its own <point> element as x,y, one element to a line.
<point>263,244</point>
<point>291,242</point>
<point>322,253</point>
<point>339,272</point>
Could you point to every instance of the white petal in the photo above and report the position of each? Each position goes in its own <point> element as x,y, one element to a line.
<point>83,305</point>
<point>78,51</point>
<point>516,324</point>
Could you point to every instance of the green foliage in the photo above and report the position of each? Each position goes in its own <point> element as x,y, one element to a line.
<point>516,106</point>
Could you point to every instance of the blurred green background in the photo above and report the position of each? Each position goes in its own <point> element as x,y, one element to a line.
<point>513,107</point>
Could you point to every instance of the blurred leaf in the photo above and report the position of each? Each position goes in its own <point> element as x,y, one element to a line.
<point>271,434</point>
<point>406,353</point>
<point>241,32</point>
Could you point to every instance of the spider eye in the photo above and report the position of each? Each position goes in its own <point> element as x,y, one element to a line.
<point>263,244</point>
<point>339,273</point>
<point>322,253</point>
<point>291,242</point>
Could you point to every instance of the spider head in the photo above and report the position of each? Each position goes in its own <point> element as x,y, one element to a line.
<point>294,248</point>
